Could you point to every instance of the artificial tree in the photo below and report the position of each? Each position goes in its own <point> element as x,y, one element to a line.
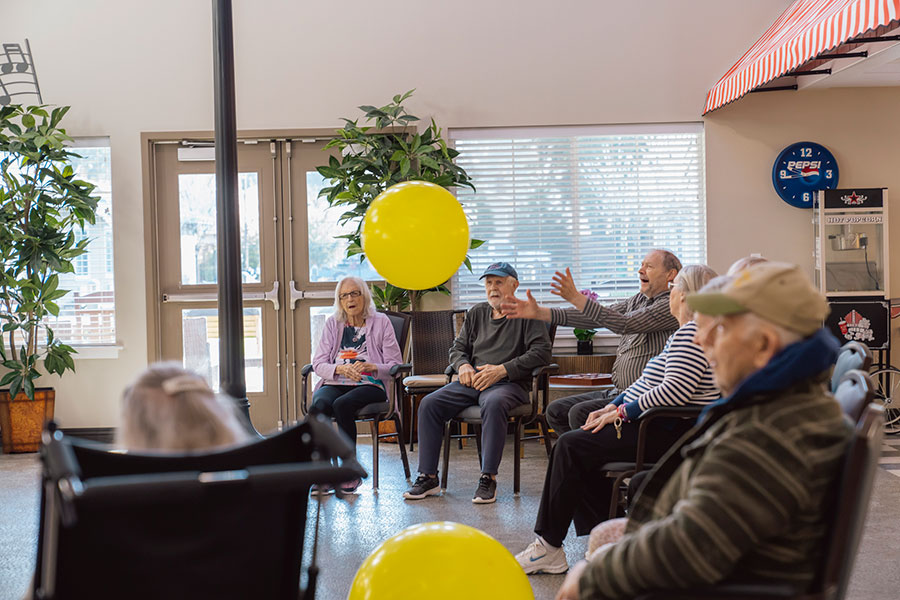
<point>388,149</point>
<point>42,204</point>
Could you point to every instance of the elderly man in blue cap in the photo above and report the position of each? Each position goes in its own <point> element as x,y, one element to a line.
<point>494,357</point>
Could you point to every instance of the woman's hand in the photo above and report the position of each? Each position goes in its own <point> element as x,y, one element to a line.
<point>348,371</point>
<point>601,418</point>
<point>564,285</point>
<point>365,367</point>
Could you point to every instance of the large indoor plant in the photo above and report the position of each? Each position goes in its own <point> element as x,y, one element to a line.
<point>386,150</point>
<point>42,206</point>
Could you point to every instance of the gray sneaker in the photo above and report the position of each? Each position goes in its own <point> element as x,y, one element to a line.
<point>539,557</point>
<point>486,492</point>
<point>423,486</point>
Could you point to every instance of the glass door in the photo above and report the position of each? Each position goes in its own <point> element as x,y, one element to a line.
<point>290,259</point>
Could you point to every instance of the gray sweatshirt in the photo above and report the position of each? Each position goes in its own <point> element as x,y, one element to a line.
<point>520,345</point>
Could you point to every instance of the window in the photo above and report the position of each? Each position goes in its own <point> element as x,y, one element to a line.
<point>593,199</point>
<point>87,313</point>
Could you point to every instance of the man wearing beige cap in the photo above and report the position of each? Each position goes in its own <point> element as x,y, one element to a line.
<point>742,496</point>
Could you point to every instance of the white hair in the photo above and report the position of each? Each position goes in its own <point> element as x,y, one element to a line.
<point>693,277</point>
<point>169,408</point>
<point>340,314</point>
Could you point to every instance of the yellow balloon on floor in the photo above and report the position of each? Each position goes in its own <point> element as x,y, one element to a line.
<point>439,561</point>
<point>415,235</point>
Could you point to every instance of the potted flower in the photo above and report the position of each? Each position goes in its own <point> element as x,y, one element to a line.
<point>585,337</point>
<point>42,204</point>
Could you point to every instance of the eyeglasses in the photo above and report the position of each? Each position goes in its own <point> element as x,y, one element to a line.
<point>353,294</point>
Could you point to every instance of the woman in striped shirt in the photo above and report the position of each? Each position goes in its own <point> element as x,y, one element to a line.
<point>573,488</point>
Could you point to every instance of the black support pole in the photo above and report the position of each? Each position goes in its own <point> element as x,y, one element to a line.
<point>231,318</point>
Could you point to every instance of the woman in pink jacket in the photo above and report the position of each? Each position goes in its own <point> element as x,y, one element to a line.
<point>354,358</point>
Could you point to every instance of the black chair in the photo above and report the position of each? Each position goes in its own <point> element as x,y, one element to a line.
<point>390,410</point>
<point>218,525</point>
<point>520,416</point>
<point>433,333</point>
<point>620,471</point>
<point>847,515</point>
<point>853,355</point>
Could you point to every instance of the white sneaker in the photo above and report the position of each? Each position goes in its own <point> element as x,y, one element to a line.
<point>540,557</point>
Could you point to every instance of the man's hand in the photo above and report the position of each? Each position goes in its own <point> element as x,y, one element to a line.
<point>487,376</point>
<point>599,419</point>
<point>466,374</point>
<point>514,308</point>
<point>348,371</point>
<point>569,589</point>
<point>564,285</point>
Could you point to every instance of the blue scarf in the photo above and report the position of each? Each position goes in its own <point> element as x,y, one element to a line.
<point>795,363</point>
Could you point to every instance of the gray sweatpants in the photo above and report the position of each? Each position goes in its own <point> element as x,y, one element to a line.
<point>440,406</point>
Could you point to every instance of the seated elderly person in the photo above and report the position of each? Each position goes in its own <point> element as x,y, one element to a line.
<point>171,409</point>
<point>354,359</point>
<point>747,501</point>
<point>643,321</point>
<point>574,488</point>
<point>494,357</point>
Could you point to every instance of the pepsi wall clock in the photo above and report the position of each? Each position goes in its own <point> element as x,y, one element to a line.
<point>800,170</point>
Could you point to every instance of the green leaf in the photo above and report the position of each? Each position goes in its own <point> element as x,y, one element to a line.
<point>475,243</point>
<point>15,385</point>
<point>29,388</point>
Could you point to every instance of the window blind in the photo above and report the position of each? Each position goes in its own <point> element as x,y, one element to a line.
<point>594,199</point>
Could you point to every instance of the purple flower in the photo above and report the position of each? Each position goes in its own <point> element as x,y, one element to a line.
<point>591,295</point>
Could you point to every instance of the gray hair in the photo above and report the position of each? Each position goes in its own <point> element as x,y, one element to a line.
<point>169,408</point>
<point>368,304</point>
<point>669,260</point>
<point>745,263</point>
<point>693,277</point>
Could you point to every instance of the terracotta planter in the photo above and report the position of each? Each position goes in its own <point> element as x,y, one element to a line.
<point>22,420</point>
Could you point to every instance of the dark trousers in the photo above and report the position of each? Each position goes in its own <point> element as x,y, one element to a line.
<point>571,412</point>
<point>574,488</point>
<point>342,402</point>
<point>440,406</point>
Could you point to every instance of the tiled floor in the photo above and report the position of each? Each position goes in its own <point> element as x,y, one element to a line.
<point>890,455</point>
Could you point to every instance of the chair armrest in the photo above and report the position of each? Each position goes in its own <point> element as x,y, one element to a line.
<point>401,369</point>
<point>545,370</point>
<point>304,372</point>
<point>684,412</point>
<point>304,383</point>
<point>450,371</point>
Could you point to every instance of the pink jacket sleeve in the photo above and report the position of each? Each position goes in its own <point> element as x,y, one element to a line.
<point>323,362</point>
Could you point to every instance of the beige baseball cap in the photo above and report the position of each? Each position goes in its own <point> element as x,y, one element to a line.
<point>778,292</point>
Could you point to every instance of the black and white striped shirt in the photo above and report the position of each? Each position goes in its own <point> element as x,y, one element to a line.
<point>679,375</point>
<point>644,324</point>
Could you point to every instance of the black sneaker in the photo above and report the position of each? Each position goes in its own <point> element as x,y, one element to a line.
<point>487,490</point>
<point>423,486</point>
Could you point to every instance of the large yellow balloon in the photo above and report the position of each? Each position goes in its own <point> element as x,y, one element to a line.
<point>415,235</point>
<point>439,561</point>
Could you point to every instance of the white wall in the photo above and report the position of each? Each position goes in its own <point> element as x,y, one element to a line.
<point>128,67</point>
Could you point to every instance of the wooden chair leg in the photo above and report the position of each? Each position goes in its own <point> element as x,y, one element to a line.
<point>445,467</point>
<point>373,426</point>
<point>517,461</point>
<point>403,457</point>
<point>463,430</point>
<point>545,432</point>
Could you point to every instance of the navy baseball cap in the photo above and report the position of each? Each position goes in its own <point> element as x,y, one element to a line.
<point>500,269</point>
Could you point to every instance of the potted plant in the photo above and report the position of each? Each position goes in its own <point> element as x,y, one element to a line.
<point>42,204</point>
<point>585,337</point>
<point>385,151</point>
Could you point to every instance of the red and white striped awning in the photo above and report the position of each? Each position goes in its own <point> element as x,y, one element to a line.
<point>805,30</point>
